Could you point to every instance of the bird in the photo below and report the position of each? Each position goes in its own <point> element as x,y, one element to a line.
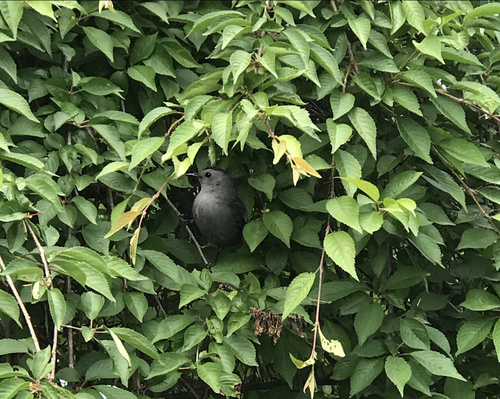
<point>217,210</point>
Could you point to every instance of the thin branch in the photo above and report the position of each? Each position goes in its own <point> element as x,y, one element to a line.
<point>27,316</point>
<point>190,233</point>
<point>334,5</point>
<point>42,255</point>
<point>169,131</point>
<point>469,103</point>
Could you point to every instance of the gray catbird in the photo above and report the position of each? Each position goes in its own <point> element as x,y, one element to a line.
<point>217,209</point>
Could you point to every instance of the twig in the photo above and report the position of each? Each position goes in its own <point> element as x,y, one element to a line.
<point>190,233</point>
<point>27,316</point>
<point>193,391</point>
<point>42,255</point>
<point>161,307</point>
<point>469,103</point>
<point>334,5</point>
<point>352,60</point>
<point>169,131</point>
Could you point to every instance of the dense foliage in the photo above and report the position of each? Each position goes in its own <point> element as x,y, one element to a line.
<point>363,137</point>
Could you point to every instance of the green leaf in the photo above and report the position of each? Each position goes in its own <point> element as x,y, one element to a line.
<point>144,74</point>
<point>400,183</point>
<point>365,126</point>
<point>368,320</point>
<point>452,111</point>
<point>446,184</point>
<point>414,14</point>
<point>12,12</point>
<point>138,341</point>
<point>346,210</point>
<point>416,137</point>
<point>405,97</point>
<point>222,123</point>
<point>239,62</point>
<point>298,40</point>
<point>40,362</point>
<point>112,167</point>
<point>437,364</point>
<point>151,117</point>
<point>368,188</point>
<point>57,306</point>
<point>279,225</point>
<point>182,134</point>
<point>16,102</point>
<point>171,325</point>
<point>137,304</point>
<point>118,17</point>
<point>100,87</point>
<point>431,45</point>
<point>206,20</point>
<point>414,333</point>
<point>339,246</point>
<point>45,187</point>
<point>194,335</point>
<point>23,159</point>
<point>101,40</point>
<point>364,373</point>
<point>9,306</point>
<point>111,392</point>
<point>398,17</point>
<point>486,9</point>
<point>166,363</point>
<point>361,28</point>
<point>478,237</point>
<point>398,371</point>
<point>297,291</point>
<point>325,58</point>
<point>472,333</point>
<point>86,207</point>
<point>254,233</point>
<point>341,103</point>
<point>220,304</point>
<point>339,134</point>
<point>479,94</point>
<point>367,84</point>
<point>9,387</point>
<point>381,63</point>
<point>479,300</point>
<point>463,151</point>
<point>242,348</point>
<point>210,373</point>
<point>420,79</point>
<point>496,338</point>
<point>237,321</point>
<point>263,182</point>
<point>92,304</point>
<point>143,149</point>
<point>8,64</point>
<point>143,47</point>
<point>111,136</point>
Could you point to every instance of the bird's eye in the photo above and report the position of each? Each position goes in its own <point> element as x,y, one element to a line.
<point>208,174</point>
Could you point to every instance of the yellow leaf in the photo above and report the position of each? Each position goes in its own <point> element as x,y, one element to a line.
<point>300,364</point>
<point>310,383</point>
<point>407,204</point>
<point>133,244</point>
<point>140,205</point>
<point>308,168</point>
<point>120,346</point>
<point>122,221</point>
<point>181,149</point>
<point>292,145</point>
<point>331,346</point>
<point>181,167</point>
<point>279,149</point>
<point>296,175</point>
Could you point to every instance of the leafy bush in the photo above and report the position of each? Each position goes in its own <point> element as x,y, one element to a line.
<point>363,137</point>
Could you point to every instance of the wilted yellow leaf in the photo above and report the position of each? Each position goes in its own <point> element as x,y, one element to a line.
<point>308,168</point>
<point>133,244</point>
<point>124,219</point>
<point>279,149</point>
